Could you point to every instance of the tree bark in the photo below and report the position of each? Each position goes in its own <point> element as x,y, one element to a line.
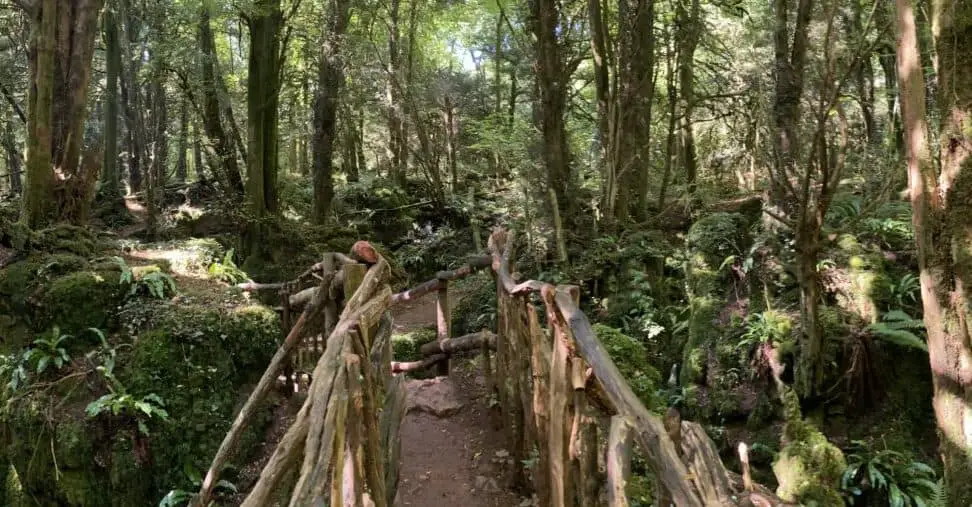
<point>62,46</point>
<point>109,171</point>
<point>330,82</point>
<point>14,159</point>
<point>689,24</point>
<point>941,203</point>
<point>182,165</point>
<point>636,89</point>
<point>262,98</point>
<point>552,79</point>
<point>219,146</point>
<point>397,146</point>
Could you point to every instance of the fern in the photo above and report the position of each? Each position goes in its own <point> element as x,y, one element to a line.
<point>896,327</point>
<point>227,271</point>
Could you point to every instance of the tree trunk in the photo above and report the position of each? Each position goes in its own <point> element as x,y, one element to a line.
<point>219,145</point>
<point>672,120</point>
<point>109,171</point>
<point>156,174</point>
<point>182,169</point>
<point>552,78</point>
<point>262,97</point>
<point>941,204</point>
<point>690,30</point>
<point>62,46</point>
<point>131,95</point>
<point>396,116</point>
<point>637,89</point>
<point>330,80</point>
<point>14,161</point>
<point>606,106</point>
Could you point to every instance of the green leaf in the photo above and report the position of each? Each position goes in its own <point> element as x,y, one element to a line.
<point>43,363</point>
<point>901,337</point>
<point>143,428</point>
<point>226,485</point>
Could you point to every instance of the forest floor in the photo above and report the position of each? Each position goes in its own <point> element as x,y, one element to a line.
<point>456,457</point>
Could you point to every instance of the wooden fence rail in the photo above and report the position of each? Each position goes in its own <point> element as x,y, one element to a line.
<point>558,391</point>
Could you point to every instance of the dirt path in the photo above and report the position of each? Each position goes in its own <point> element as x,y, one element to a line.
<point>458,458</point>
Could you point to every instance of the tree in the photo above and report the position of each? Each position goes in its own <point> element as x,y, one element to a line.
<point>109,171</point>
<point>330,81</point>
<point>262,98</point>
<point>59,183</point>
<point>941,202</point>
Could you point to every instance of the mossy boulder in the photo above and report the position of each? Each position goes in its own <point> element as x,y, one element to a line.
<point>631,357</point>
<point>718,236</point>
<point>809,467</point>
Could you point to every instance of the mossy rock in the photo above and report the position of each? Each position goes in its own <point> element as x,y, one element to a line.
<point>631,357</point>
<point>81,300</point>
<point>703,332</point>
<point>718,236</point>
<point>197,360</point>
<point>808,467</point>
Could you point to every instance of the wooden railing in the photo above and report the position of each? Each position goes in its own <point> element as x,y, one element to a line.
<point>344,443</point>
<point>556,388</point>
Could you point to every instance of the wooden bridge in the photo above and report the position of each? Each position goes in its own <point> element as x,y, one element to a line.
<point>560,395</point>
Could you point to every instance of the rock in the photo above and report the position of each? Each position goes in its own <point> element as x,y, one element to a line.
<point>436,396</point>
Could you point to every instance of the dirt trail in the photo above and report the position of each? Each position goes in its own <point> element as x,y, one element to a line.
<point>457,459</point>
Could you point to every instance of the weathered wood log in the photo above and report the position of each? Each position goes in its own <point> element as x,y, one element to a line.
<point>649,430</point>
<point>702,458</point>
<point>371,440</point>
<point>561,485</point>
<point>443,324</point>
<point>540,355</point>
<point>393,410</point>
<point>283,460</point>
<point>472,341</point>
<point>362,251</point>
<point>474,264</point>
<point>381,352</point>
<point>618,462</point>
<point>373,279</point>
<point>404,367</point>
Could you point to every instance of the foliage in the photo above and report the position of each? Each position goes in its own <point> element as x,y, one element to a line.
<point>632,360</point>
<point>226,270</point>
<point>152,282</point>
<point>180,497</point>
<point>888,477</point>
<point>717,236</point>
<point>768,326</point>
<point>405,347</point>
<point>897,327</point>
<point>905,292</point>
<point>120,404</point>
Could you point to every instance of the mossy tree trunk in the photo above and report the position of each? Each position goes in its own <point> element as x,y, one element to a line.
<point>109,171</point>
<point>553,71</point>
<point>59,185</point>
<point>14,160</point>
<point>689,33</point>
<point>397,148</point>
<point>219,145</point>
<point>262,98</point>
<point>131,93</point>
<point>941,204</point>
<point>182,165</point>
<point>330,81</point>
<point>636,92</point>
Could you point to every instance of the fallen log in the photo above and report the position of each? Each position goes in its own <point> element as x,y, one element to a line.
<point>403,367</point>
<point>472,341</point>
<point>474,264</point>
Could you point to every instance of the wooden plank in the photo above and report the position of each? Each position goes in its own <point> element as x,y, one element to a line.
<point>474,264</point>
<point>371,440</point>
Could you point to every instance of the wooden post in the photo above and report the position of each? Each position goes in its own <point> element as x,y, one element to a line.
<point>291,384</point>
<point>487,367</point>
<point>443,320</point>
<point>618,462</point>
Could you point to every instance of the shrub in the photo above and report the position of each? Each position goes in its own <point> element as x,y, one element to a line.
<point>632,360</point>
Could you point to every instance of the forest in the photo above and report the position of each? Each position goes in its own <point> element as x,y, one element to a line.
<point>738,232</point>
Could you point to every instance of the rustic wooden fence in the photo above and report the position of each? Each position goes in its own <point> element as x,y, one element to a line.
<point>343,445</point>
<point>565,405</point>
<point>568,410</point>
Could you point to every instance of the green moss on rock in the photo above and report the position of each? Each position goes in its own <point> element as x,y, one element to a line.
<point>406,346</point>
<point>808,467</point>
<point>632,360</point>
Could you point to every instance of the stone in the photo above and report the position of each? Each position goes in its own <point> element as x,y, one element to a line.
<point>437,396</point>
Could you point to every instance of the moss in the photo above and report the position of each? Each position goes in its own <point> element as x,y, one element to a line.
<point>632,360</point>
<point>476,309</point>
<point>718,236</point>
<point>81,300</point>
<point>808,467</point>
<point>703,331</point>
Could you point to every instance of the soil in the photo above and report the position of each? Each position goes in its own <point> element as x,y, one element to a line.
<point>458,459</point>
